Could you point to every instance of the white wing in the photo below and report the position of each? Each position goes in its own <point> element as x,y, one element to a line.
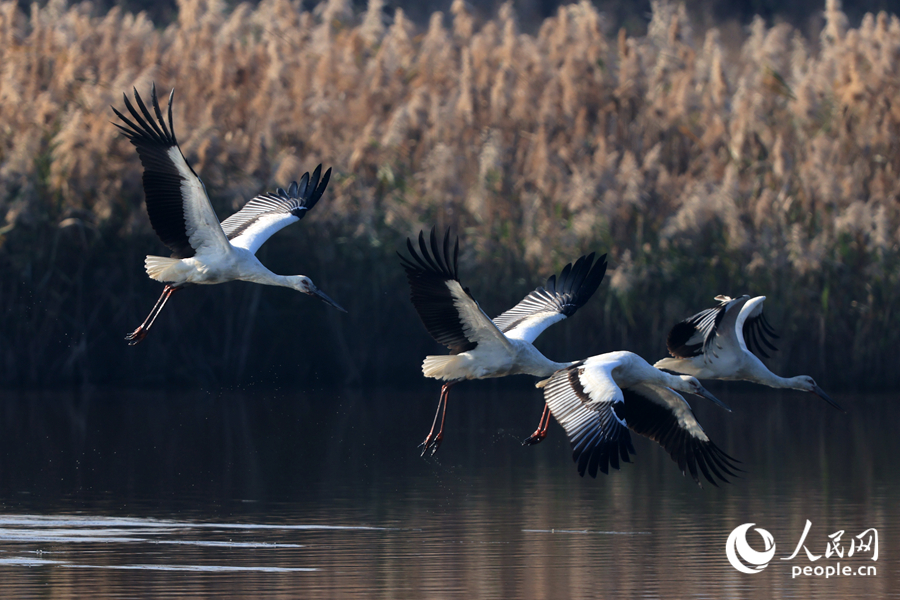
<point>449,312</point>
<point>557,299</point>
<point>266,214</point>
<point>752,329</point>
<point>597,415</point>
<point>583,399</point>
<point>177,204</point>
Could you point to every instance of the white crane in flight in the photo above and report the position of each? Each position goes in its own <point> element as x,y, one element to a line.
<point>598,400</point>
<point>480,347</point>
<point>205,251</point>
<point>719,343</point>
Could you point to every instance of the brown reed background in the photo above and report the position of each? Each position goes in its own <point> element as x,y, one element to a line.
<point>702,165</point>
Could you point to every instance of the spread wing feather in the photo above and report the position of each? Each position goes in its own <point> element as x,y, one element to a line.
<point>559,298</point>
<point>693,336</point>
<point>177,204</point>
<point>597,423</point>
<point>598,436</point>
<point>268,213</point>
<point>449,312</point>
<point>758,333</point>
<point>662,415</point>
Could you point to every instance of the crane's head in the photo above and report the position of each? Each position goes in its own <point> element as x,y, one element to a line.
<point>304,284</point>
<point>692,386</point>
<point>808,384</point>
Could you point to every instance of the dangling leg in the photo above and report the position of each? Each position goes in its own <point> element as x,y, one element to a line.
<point>433,441</point>
<point>140,333</point>
<point>541,432</point>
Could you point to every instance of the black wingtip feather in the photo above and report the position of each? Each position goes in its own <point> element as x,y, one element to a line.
<point>769,329</point>
<point>692,455</point>
<point>146,113</point>
<point>163,174</point>
<point>436,251</point>
<point>313,188</point>
<point>701,462</point>
<point>550,286</point>
<point>159,116</point>
<point>317,174</point>
<point>563,277</point>
<point>322,185</point>
<point>580,271</point>
<point>296,200</point>
<point>705,322</point>
<point>303,186</point>
<point>433,300</point>
<point>756,332</point>
<point>169,110</point>
<point>452,267</point>
<point>676,341</point>
<point>423,247</point>
<point>564,293</point>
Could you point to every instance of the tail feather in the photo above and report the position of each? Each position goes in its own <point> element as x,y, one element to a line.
<point>437,367</point>
<point>157,265</point>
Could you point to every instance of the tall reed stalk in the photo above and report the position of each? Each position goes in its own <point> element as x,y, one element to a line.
<point>700,167</point>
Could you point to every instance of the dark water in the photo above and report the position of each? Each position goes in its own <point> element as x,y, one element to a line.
<point>123,494</point>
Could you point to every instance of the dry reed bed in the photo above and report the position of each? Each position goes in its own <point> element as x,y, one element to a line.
<point>701,171</point>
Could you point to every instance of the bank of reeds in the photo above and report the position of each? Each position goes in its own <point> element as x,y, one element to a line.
<point>765,167</point>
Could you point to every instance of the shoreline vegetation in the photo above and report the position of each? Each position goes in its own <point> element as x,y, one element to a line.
<point>702,166</point>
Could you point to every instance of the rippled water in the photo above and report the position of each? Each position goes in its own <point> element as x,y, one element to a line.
<point>275,495</point>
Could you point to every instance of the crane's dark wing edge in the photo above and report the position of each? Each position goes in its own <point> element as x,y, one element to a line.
<point>428,274</point>
<point>162,177</point>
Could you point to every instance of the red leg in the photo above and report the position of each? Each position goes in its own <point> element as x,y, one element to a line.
<point>541,432</point>
<point>140,333</point>
<point>433,441</point>
<point>427,443</point>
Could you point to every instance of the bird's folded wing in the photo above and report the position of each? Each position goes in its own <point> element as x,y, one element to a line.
<point>661,414</point>
<point>582,400</point>
<point>268,213</point>
<point>179,209</point>
<point>559,298</point>
<point>449,312</point>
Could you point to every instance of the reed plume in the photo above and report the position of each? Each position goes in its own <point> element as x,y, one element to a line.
<point>772,169</point>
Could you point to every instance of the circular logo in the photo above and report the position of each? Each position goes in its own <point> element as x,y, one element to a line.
<point>737,546</point>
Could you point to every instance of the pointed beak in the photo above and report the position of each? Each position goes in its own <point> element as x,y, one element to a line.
<point>821,394</point>
<point>705,393</point>
<point>324,298</point>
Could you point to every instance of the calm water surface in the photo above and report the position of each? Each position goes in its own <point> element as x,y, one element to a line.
<point>124,494</point>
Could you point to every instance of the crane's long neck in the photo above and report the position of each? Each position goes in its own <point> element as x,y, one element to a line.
<point>632,370</point>
<point>532,362</point>
<point>548,367</point>
<point>760,374</point>
<point>788,383</point>
<point>263,276</point>
<point>555,366</point>
<point>642,374</point>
